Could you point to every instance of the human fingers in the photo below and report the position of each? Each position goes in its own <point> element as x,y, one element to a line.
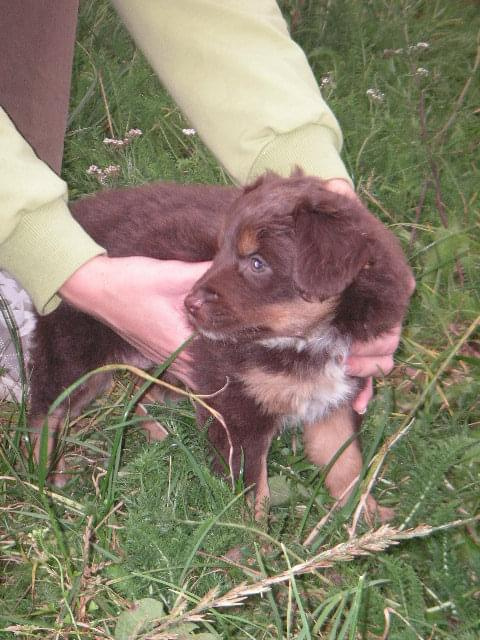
<point>363,367</point>
<point>360,403</point>
<point>340,186</point>
<point>384,345</point>
<point>171,277</point>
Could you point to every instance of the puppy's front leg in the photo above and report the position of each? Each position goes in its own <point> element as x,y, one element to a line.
<point>57,475</point>
<point>322,440</point>
<point>256,473</point>
<point>248,443</point>
<point>154,430</point>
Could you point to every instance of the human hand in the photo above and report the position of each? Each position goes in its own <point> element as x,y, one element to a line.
<point>141,299</point>
<point>372,358</point>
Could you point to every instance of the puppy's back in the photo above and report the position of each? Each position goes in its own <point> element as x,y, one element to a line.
<point>161,220</point>
<point>166,221</point>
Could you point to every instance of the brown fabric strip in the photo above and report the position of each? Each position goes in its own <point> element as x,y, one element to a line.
<point>37,39</point>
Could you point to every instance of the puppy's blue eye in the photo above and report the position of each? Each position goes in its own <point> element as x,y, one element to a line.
<point>257,264</point>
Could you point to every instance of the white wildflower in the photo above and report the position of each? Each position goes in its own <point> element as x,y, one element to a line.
<point>115,142</point>
<point>122,142</point>
<point>420,46</point>
<point>376,95</point>
<point>189,132</point>
<point>421,72</point>
<point>103,174</point>
<point>112,169</point>
<point>133,133</point>
<point>388,53</point>
<point>327,79</point>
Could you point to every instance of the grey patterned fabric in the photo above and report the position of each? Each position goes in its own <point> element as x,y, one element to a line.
<point>16,306</point>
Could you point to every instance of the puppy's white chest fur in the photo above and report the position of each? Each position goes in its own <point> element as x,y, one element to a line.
<point>299,397</point>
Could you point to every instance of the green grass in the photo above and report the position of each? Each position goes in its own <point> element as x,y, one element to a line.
<point>149,521</point>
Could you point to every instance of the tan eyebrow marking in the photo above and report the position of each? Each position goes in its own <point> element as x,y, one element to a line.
<point>247,241</point>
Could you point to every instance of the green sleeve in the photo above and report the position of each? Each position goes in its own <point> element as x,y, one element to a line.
<point>41,245</point>
<point>243,83</point>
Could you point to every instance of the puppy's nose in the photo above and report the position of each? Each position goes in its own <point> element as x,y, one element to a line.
<point>195,300</point>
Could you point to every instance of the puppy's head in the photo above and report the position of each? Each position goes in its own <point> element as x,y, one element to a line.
<point>295,257</point>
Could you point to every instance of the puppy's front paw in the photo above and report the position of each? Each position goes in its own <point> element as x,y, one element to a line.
<point>59,477</point>
<point>375,512</point>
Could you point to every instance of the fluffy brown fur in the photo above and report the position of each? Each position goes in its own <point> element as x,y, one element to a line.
<point>298,274</point>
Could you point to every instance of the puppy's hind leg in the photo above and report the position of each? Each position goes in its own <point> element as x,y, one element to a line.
<point>57,420</point>
<point>154,430</point>
<point>54,423</point>
<point>322,441</point>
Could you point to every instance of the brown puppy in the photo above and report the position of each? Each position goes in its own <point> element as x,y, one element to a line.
<point>299,273</point>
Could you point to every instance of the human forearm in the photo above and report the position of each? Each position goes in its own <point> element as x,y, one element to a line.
<point>41,245</point>
<point>243,83</point>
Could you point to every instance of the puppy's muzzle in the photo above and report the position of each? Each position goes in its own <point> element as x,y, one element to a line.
<point>197,303</point>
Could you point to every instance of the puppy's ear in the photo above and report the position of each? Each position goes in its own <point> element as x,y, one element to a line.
<point>331,246</point>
